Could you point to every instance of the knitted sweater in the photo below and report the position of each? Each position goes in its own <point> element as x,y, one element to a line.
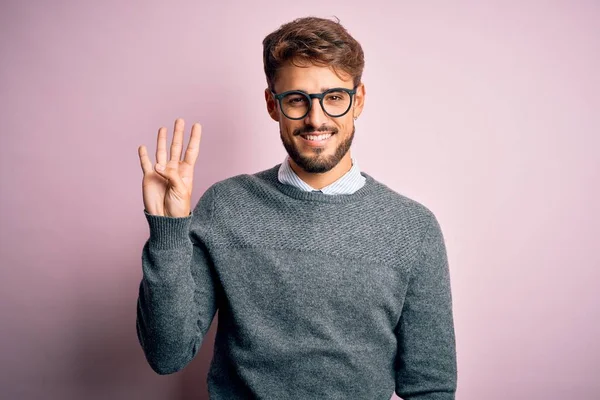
<point>319,296</point>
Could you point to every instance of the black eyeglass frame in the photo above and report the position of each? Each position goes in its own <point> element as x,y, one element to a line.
<point>311,96</point>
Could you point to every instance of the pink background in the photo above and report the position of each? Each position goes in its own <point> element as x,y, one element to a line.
<point>486,112</point>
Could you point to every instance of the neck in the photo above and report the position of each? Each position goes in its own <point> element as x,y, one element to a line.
<point>320,180</point>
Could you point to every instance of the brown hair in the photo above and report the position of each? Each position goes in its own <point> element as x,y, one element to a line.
<point>318,41</point>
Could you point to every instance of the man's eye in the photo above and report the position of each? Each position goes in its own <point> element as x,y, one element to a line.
<point>334,97</point>
<point>296,100</point>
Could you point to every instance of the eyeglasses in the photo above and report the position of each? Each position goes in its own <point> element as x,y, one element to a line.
<point>296,104</point>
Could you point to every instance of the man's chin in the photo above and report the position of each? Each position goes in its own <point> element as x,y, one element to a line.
<point>315,167</point>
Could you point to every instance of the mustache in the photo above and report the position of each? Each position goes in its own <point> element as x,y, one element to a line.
<point>310,129</point>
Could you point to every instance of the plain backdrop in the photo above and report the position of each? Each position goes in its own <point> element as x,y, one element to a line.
<point>487,112</point>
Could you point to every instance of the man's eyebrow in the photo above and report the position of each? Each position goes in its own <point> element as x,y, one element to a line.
<point>323,89</point>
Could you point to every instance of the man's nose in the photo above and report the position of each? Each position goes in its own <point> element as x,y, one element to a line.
<point>316,116</point>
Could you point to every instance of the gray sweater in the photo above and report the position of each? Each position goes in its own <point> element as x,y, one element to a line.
<point>319,296</point>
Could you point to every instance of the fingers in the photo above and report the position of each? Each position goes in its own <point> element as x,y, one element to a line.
<point>177,143</point>
<point>161,146</point>
<point>191,154</point>
<point>144,159</point>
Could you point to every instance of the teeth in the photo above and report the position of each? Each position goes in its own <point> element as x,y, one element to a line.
<point>318,137</point>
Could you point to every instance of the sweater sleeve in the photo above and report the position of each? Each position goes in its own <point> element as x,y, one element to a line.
<point>176,301</point>
<point>426,358</point>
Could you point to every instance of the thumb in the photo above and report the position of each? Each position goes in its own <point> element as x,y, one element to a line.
<point>170,174</point>
<point>160,169</point>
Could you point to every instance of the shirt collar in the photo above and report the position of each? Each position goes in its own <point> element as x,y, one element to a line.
<point>349,183</point>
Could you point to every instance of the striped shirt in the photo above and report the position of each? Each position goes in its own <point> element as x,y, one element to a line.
<point>349,183</point>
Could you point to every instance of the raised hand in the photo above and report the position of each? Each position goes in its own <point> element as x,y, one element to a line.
<point>168,191</point>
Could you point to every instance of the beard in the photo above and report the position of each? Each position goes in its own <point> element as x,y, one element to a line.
<point>317,162</point>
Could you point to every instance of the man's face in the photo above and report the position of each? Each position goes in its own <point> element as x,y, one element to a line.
<point>310,155</point>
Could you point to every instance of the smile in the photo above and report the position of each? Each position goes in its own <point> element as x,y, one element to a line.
<point>316,140</point>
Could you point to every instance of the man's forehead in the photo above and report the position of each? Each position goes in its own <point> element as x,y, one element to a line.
<point>290,77</point>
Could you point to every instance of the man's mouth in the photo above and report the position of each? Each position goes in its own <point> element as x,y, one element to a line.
<point>316,139</point>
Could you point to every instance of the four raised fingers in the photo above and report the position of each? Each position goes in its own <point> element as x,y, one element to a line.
<point>191,153</point>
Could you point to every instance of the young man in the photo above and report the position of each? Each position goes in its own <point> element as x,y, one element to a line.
<point>329,284</point>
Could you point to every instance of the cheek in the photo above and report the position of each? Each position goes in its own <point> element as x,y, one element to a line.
<point>288,127</point>
<point>345,127</point>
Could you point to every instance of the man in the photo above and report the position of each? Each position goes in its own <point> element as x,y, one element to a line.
<point>329,284</point>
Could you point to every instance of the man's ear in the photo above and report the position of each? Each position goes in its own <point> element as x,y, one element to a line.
<point>359,100</point>
<point>271,105</point>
